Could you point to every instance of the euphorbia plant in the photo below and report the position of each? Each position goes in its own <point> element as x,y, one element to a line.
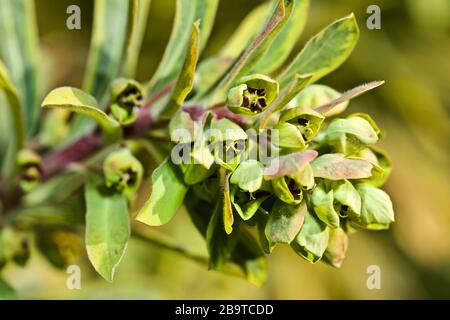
<point>243,142</point>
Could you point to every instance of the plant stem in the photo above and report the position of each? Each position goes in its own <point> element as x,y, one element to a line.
<point>161,241</point>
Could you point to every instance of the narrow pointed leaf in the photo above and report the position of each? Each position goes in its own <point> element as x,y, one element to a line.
<point>286,39</point>
<point>325,52</point>
<point>108,45</point>
<point>107,228</point>
<point>19,51</point>
<point>228,218</point>
<point>137,25</point>
<point>186,78</point>
<point>317,95</point>
<point>15,106</point>
<point>247,29</point>
<point>329,107</point>
<point>107,49</point>
<point>245,62</point>
<point>218,242</point>
<point>168,191</point>
<point>187,12</point>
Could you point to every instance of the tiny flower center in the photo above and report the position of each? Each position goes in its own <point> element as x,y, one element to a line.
<point>254,99</point>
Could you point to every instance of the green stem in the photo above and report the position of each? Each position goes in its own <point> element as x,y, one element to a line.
<point>162,241</point>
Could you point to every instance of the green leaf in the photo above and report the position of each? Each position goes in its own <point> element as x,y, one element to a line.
<point>185,80</point>
<point>107,50</point>
<point>317,95</point>
<point>6,291</point>
<point>107,228</point>
<point>335,166</point>
<point>187,12</point>
<point>289,137</point>
<point>323,203</point>
<point>228,217</point>
<point>108,45</point>
<point>137,26</point>
<point>76,100</point>
<point>20,51</point>
<point>312,240</point>
<point>325,52</point>
<point>195,173</point>
<point>248,175</point>
<point>245,252</point>
<point>337,248</point>
<point>218,242</point>
<point>247,29</point>
<point>168,191</point>
<point>284,222</point>
<point>377,212</point>
<point>266,245</point>
<point>250,258</point>
<point>226,130</point>
<point>358,127</point>
<point>285,40</point>
<point>211,69</point>
<point>14,104</point>
<point>246,61</point>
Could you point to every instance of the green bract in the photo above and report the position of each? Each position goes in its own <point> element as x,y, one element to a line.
<point>252,94</point>
<point>307,121</point>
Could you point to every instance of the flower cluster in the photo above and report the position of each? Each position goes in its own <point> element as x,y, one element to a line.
<point>317,180</point>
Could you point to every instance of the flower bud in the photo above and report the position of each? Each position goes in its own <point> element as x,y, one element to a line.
<point>308,121</point>
<point>30,169</point>
<point>126,96</point>
<point>252,94</point>
<point>123,172</point>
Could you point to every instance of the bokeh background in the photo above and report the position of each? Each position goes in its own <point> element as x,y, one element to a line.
<point>411,52</point>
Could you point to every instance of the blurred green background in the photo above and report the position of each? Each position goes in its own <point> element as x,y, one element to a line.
<point>410,52</point>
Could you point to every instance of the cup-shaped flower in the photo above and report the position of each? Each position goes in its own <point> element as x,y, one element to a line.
<point>227,142</point>
<point>252,94</point>
<point>288,190</point>
<point>126,97</point>
<point>123,172</point>
<point>307,120</point>
<point>29,164</point>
